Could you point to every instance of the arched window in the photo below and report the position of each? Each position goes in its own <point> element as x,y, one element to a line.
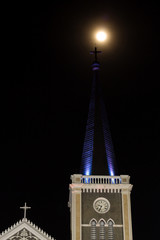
<point>102,230</point>
<point>93,230</point>
<point>110,230</point>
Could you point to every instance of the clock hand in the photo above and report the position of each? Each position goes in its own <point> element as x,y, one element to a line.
<point>100,207</point>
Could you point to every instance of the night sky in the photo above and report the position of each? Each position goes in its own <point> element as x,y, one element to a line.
<point>47,83</point>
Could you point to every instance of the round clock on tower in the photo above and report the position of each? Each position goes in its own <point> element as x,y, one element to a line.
<point>101,205</point>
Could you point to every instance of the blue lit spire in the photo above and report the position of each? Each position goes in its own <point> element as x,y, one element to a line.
<point>98,155</point>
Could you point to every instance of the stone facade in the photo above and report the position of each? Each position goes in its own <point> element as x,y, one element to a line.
<point>85,191</point>
<point>24,234</point>
<point>118,233</point>
<point>115,212</point>
<point>24,230</point>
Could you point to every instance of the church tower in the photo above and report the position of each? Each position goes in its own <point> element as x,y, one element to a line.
<point>99,199</point>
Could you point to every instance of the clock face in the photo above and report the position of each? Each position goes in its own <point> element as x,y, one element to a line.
<point>101,205</point>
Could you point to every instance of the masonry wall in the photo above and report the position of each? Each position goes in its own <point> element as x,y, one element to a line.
<point>118,233</point>
<point>115,213</point>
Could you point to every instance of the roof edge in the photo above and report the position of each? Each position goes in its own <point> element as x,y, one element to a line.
<point>30,224</point>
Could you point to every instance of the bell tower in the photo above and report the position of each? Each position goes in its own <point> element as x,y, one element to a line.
<point>99,200</point>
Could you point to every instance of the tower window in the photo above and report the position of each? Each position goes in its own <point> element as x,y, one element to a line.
<point>110,230</point>
<point>102,230</point>
<point>93,230</point>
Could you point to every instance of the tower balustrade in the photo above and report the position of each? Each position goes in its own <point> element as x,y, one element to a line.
<point>92,179</point>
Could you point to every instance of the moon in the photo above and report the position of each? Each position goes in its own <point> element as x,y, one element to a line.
<point>101,36</point>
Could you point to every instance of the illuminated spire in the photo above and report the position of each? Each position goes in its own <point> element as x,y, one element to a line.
<point>98,155</point>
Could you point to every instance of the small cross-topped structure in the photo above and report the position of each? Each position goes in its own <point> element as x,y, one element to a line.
<point>24,230</point>
<point>95,52</point>
<point>25,208</point>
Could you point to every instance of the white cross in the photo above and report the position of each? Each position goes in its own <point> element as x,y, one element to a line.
<point>25,209</point>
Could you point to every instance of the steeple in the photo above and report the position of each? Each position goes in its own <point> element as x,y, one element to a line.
<point>98,155</point>
<point>99,200</point>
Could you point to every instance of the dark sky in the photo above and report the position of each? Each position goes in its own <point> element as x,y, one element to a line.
<point>47,82</point>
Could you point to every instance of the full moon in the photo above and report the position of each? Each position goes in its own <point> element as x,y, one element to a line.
<point>101,36</point>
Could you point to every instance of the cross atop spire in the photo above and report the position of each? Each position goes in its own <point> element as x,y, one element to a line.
<point>95,52</point>
<point>25,209</point>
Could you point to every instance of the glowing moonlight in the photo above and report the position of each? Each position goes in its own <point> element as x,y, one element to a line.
<point>101,36</point>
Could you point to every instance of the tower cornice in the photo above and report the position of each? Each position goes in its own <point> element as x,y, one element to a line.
<point>100,183</point>
<point>101,187</point>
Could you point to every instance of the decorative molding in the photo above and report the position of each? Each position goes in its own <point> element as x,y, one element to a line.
<point>106,225</point>
<point>102,220</point>
<point>23,235</point>
<point>98,223</point>
<point>127,219</point>
<point>28,225</point>
<point>101,188</point>
<point>93,219</point>
<point>95,179</point>
<point>110,219</point>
